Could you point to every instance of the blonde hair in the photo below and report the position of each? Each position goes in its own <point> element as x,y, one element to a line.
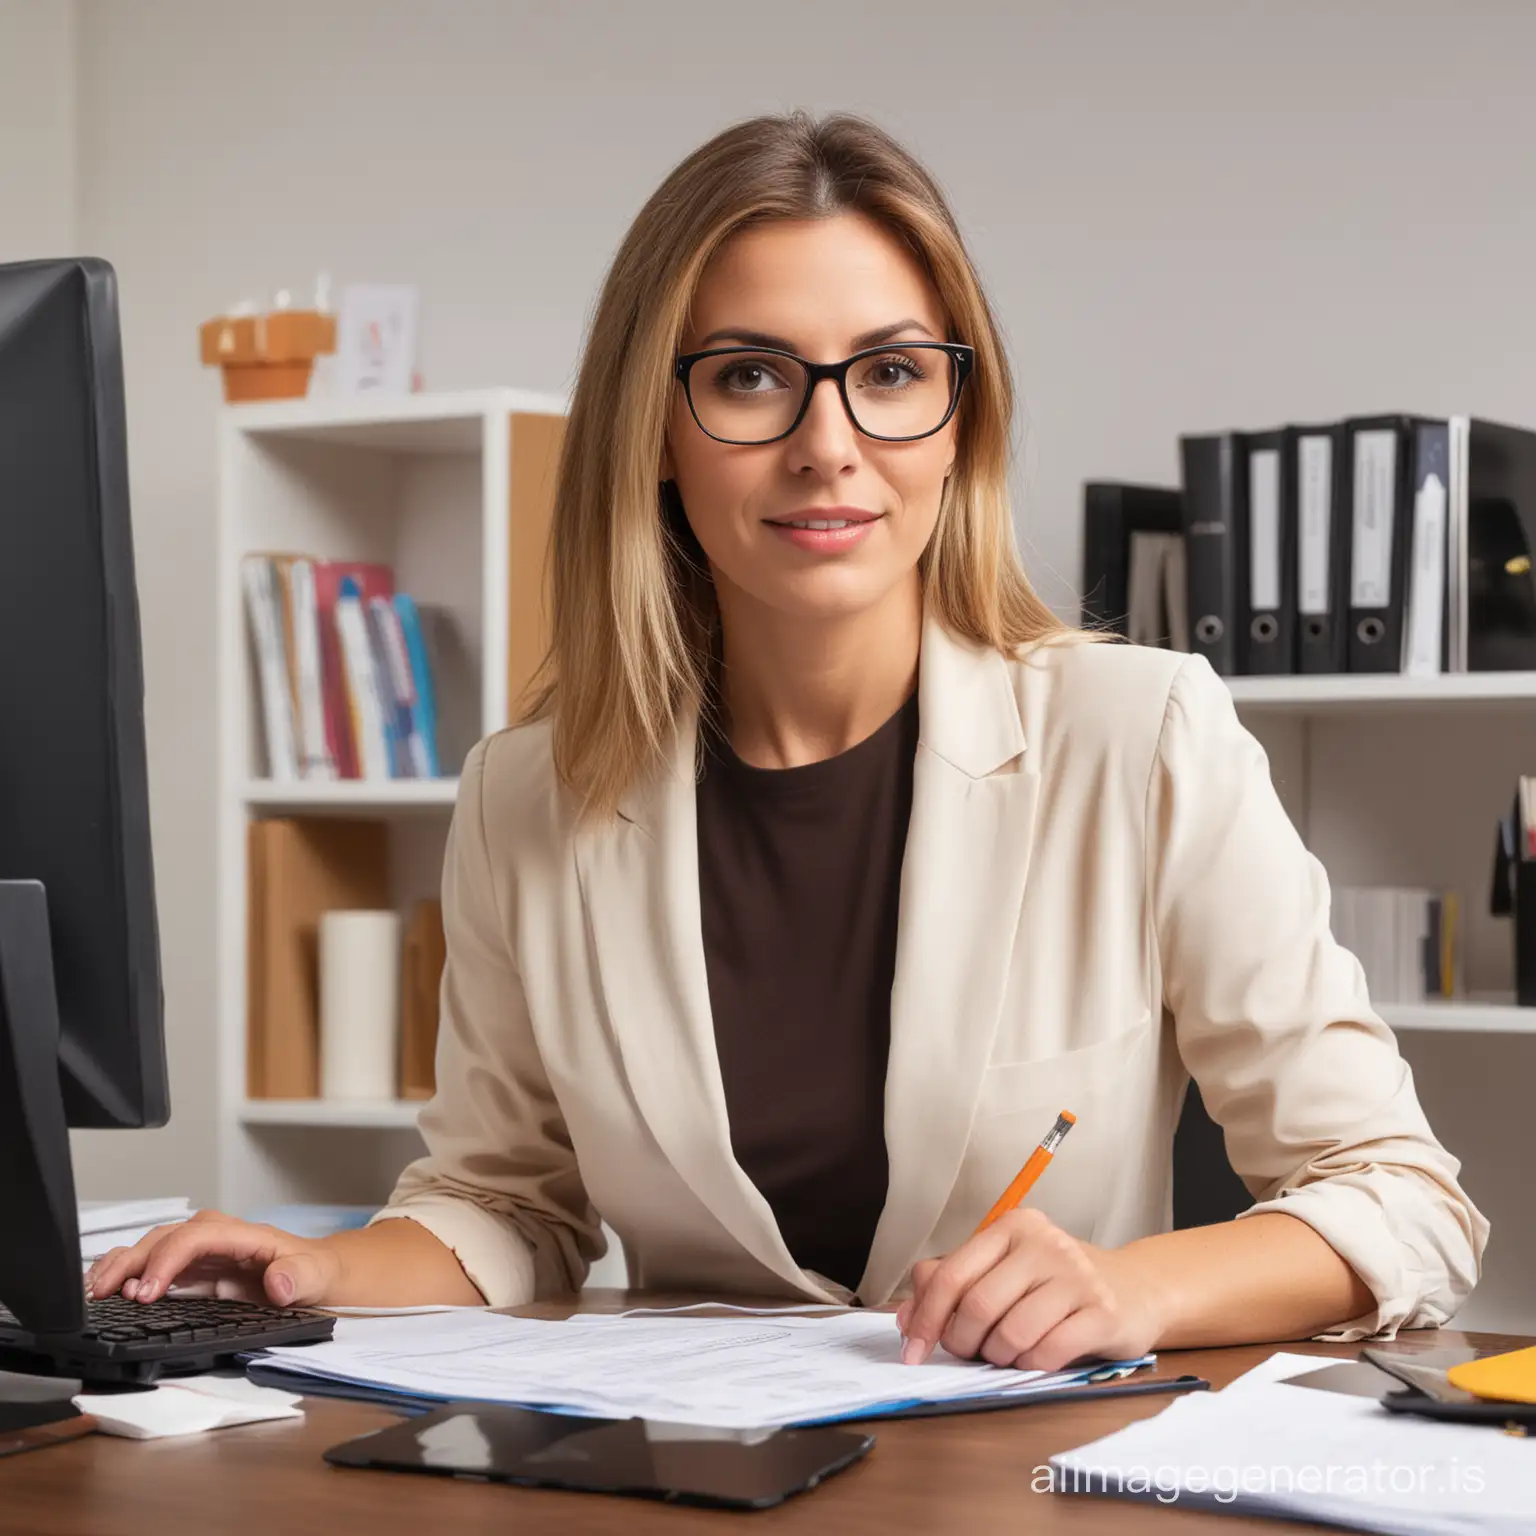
<point>632,603</point>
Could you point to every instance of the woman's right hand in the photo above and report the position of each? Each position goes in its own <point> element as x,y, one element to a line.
<point>212,1254</point>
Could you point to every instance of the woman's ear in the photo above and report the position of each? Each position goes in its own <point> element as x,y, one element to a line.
<point>668,469</point>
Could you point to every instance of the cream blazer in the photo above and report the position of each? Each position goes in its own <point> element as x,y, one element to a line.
<point>1101,895</point>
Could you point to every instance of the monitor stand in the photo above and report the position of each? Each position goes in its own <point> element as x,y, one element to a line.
<point>40,1270</point>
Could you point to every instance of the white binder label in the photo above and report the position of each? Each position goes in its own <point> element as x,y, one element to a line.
<point>1264,530</point>
<point>1315,516</point>
<point>1426,587</point>
<point>1375,494</point>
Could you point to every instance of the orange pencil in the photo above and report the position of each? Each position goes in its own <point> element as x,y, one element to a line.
<point>1039,1161</point>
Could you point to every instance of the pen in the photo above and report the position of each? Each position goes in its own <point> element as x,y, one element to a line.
<point>1039,1161</point>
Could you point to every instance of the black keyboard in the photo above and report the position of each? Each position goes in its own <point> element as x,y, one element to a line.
<point>139,1341</point>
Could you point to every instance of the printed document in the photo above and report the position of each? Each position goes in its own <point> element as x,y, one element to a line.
<point>1264,1447</point>
<point>733,1373</point>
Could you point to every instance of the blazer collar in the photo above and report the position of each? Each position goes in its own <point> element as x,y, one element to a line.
<point>968,715</point>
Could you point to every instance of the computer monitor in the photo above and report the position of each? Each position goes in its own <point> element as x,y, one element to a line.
<point>81,1038</point>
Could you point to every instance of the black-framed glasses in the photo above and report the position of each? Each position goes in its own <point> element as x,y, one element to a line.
<point>897,393</point>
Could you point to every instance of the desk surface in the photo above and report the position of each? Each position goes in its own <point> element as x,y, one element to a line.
<point>964,1472</point>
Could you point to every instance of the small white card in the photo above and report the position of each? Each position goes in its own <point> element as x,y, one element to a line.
<point>376,339</point>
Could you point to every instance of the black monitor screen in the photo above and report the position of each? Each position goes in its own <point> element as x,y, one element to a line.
<point>74,810</point>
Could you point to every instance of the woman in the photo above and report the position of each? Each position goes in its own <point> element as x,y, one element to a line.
<point>830,866</point>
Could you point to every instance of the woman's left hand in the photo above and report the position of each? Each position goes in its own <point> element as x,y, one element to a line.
<point>1024,1293</point>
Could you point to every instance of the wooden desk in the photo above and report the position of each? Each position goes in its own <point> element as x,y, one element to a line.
<point>961,1473</point>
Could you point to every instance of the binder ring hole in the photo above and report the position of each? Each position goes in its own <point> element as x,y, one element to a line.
<point>1314,629</point>
<point>1209,629</point>
<point>1371,631</point>
<point>1265,628</point>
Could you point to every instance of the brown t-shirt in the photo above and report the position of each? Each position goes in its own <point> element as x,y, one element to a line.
<point>799,882</point>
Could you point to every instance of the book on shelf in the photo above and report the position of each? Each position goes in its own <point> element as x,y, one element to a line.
<point>343,670</point>
<point>1388,544</point>
<point>1134,581</point>
<point>1514,884</point>
<point>1408,940</point>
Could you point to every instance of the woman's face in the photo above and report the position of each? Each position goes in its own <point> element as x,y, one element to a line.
<point>824,289</point>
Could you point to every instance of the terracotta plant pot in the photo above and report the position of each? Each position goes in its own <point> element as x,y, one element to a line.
<point>267,357</point>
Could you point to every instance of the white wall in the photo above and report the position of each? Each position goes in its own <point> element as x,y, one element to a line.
<point>1191,213</point>
<point>37,128</point>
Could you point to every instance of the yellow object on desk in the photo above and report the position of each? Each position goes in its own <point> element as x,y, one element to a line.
<point>1507,1378</point>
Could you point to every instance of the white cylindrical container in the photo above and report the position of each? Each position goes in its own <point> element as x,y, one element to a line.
<point>359,1004</point>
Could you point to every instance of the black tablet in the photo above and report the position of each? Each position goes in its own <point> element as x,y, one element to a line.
<point>726,1468</point>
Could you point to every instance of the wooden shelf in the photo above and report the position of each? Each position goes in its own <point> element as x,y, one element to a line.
<point>358,1114</point>
<point>349,797</point>
<point>1354,691</point>
<point>1461,1018</point>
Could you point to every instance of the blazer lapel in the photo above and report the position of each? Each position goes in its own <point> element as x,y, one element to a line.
<point>640,881</point>
<point>962,884</point>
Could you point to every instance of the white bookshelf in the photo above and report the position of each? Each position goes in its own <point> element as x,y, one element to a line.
<point>1399,781</point>
<point>452,491</point>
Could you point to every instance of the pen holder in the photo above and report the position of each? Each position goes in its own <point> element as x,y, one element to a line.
<point>267,356</point>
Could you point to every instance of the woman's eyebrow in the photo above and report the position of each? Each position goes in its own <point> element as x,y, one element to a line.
<point>873,338</point>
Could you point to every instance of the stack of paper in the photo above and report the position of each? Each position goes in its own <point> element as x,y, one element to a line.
<point>1265,1447</point>
<point>732,1373</point>
<point>109,1224</point>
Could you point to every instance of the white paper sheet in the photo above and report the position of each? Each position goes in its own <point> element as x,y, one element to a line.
<point>422,1311</point>
<point>1264,1447</point>
<point>117,1215</point>
<point>97,1245</point>
<point>109,1224</point>
<point>729,1372</point>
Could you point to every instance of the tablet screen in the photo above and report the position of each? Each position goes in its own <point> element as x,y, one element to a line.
<point>492,1441</point>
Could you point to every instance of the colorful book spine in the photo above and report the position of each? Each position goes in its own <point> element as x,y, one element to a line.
<point>394,680</point>
<point>367,710</point>
<point>264,609</point>
<point>424,705</point>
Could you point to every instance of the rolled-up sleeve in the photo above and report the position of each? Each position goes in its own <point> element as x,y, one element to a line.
<point>499,1184</point>
<point>1274,1023</point>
